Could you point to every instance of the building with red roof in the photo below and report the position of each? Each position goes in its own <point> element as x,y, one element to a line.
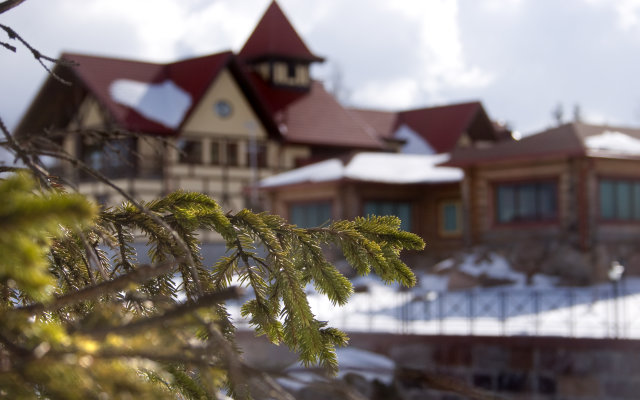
<point>219,123</point>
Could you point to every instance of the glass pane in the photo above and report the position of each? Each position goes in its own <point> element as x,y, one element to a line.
<point>232,154</point>
<point>324,213</point>
<point>190,151</point>
<point>607,196</point>
<point>526,202</point>
<point>403,211</point>
<point>623,200</point>
<point>450,217</point>
<point>370,208</point>
<point>387,209</point>
<point>215,153</point>
<point>296,214</point>
<point>505,207</point>
<point>547,201</point>
<point>636,201</point>
<point>310,215</point>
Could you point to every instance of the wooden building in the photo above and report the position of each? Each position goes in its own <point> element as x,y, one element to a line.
<point>424,196</point>
<point>576,185</point>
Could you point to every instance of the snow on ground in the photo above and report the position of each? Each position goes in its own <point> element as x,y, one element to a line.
<point>540,308</point>
<point>164,102</point>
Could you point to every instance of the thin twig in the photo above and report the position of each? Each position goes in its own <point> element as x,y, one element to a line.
<point>9,4</point>
<point>181,310</point>
<point>37,55</point>
<point>139,275</point>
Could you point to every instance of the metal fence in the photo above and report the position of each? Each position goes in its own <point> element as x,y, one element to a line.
<point>603,311</point>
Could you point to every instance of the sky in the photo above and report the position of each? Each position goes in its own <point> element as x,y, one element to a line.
<point>520,58</point>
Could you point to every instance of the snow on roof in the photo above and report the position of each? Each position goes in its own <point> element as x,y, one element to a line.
<point>614,141</point>
<point>164,102</point>
<point>323,171</point>
<point>373,167</point>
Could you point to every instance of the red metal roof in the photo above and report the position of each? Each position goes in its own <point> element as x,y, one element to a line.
<point>383,122</point>
<point>275,36</point>
<point>318,119</point>
<point>274,99</point>
<point>193,76</point>
<point>440,126</point>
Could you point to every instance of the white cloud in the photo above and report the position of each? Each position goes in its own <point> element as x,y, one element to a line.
<point>394,94</point>
<point>627,11</point>
<point>440,48</point>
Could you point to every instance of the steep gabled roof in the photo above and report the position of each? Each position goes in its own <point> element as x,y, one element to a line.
<point>441,127</point>
<point>274,36</point>
<point>383,122</point>
<point>192,76</point>
<point>96,76</point>
<point>572,139</point>
<point>318,119</point>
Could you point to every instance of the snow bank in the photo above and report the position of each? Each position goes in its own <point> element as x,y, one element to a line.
<point>164,102</point>
<point>494,266</point>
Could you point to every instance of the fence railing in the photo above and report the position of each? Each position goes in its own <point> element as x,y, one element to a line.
<point>601,311</point>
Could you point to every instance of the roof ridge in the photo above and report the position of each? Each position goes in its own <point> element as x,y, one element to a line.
<point>275,35</point>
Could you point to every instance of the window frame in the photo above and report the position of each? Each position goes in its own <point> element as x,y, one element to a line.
<point>442,231</point>
<point>406,224</point>
<point>231,153</point>
<point>518,186</point>
<point>634,210</point>
<point>185,157</point>
<point>307,203</point>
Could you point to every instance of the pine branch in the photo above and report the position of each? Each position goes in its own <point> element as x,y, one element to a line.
<point>203,301</point>
<point>139,275</point>
<point>100,177</point>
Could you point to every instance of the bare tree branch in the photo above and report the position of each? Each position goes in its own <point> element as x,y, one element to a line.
<point>9,4</point>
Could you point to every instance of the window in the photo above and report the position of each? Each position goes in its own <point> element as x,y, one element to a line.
<point>261,156</point>
<point>526,202</point>
<point>232,154</point>
<point>215,153</point>
<point>190,151</point>
<point>401,210</point>
<point>308,215</point>
<point>619,199</point>
<point>450,217</point>
<point>257,154</point>
<point>291,70</point>
<point>113,158</point>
